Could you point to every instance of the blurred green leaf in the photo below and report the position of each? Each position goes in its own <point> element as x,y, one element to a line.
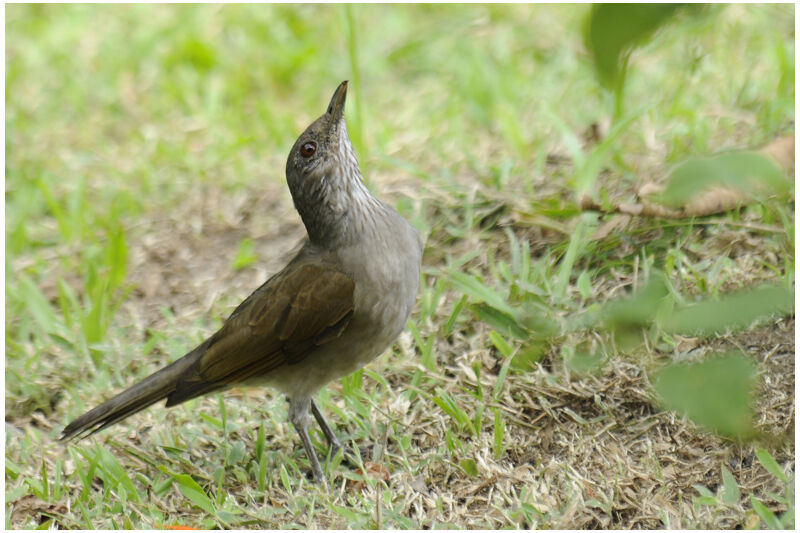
<point>499,320</point>
<point>451,407</point>
<point>748,172</point>
<point>448,327</point>
<point>736,310</point>
<point>531,353</point>
<point>12,495</point>
<point>501,379</point>
<point>117,256</point>
<point>236,453</point>
<point>772,466</point>
<point>194,492</point>
<point>584,285</point>
<point>39,308</point>
<point>614,29</point>
<point>469,466</point>
<point>716,393</point>
<point>285,481</point>
<point>641,308</point>
<point>576,246</point>
<point>425,346</point>
<point>731,493</point>
<point>245,255</point>
<point>708,497</point>
<point>588,169</point>
<point>500,343</point>
<point>499,434</point>
<point>116,476</point>
<point>585,362</point>
<point>194,52</point>
<point>765,514</point>
<point>12,470</point>
<point>475,288</point>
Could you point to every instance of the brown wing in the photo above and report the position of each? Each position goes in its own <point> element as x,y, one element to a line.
<point>280,323</point>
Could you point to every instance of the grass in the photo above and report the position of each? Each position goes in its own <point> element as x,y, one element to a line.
<point>145,197</point>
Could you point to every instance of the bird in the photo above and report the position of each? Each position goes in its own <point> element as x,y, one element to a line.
<point>340,302</point>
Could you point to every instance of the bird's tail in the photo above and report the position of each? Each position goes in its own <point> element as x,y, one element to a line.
<point>151,389</point>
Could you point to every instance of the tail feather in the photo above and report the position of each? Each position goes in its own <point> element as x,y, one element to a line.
<point>151,389</point>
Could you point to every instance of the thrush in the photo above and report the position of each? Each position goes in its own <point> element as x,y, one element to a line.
<point>338,304</point>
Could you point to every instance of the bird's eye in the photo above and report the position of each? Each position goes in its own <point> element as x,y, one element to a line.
<point>308,149</point>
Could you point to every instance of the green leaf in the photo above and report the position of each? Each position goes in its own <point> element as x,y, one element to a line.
<point>626,318</point>
<point>448,327</point>
<point>190,489</point>
<point>500,343</point>
<point>261,440</point>
<point>12,470</point>
<point>193,52</point>
<point>449,406</point>
<point>12,495</point>
<point>730,494</point>
<point>584,285</point>
<point>423,345</point>
<point>236,453</point>
<point>716,393</point>
<point>287,484</point>
<point>38,306</point>
<point>531,353</point>
<point>501,379</point>
<point>262,472</point>
<point>614,29</point>
<point>771,465</point>
<point>475,288</point>
<point>585,361</point>
<point>703,490</point>
<point>117,474</point>
<point>765,514</point>
<point>498,320</point>
<point>45,483</point>
<point>245,255</point>
<point>736,310</point>
<point>706,500</point>
<point>161,487</point>
<point>748,172</point>
<point>499,433</point>
<point>117,256</point>
<point>576,244</point>
<point>469,467</point>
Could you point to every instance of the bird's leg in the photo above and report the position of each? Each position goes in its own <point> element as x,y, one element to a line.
<point>326,429</point>
<point>298,414</point>
<point>334,442</point>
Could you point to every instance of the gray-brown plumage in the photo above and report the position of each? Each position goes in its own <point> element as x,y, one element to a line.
<point>339,303</point>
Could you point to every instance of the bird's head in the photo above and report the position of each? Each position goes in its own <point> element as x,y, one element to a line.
<point>322,169</point>
<point>323,151</point>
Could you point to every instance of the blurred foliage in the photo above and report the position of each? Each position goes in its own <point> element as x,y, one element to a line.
<point>717,392</point>
<point>613,30</point>
<point>732,311</point>
<point>720,400</point>
<point>750,173</point>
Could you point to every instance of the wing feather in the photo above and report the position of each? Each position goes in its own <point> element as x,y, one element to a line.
<point>280,323</point>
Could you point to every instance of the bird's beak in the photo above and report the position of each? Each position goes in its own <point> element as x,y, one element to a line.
<point>336,107</point>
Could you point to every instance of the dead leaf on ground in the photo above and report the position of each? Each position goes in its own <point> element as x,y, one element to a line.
<point>373,470</point>
<point>32,506</point>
